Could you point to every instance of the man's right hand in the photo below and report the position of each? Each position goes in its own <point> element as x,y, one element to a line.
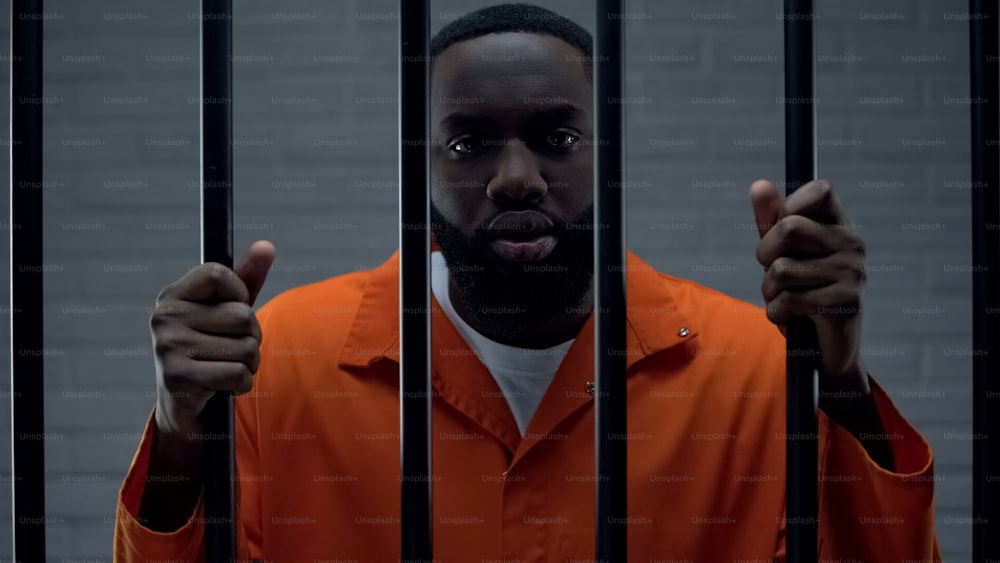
<point>206,338</point>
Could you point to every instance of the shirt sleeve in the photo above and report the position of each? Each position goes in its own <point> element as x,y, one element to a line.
<point>135,543</point>
<point>867,513</point>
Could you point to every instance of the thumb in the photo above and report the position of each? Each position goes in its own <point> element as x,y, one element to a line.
<point>253,268</point>
<point>767,205</point>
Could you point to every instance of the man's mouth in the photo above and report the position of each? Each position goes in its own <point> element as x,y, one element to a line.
<point>524,250</point>
<point>522,236</point>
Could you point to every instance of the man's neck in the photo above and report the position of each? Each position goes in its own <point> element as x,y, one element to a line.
<point>523,331</point>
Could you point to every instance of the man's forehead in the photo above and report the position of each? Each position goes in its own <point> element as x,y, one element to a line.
<point>467,113</point>
<point>509,54</point>
<point>509,69</point>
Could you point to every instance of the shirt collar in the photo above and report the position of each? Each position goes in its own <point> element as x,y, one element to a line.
<point>659,314</point>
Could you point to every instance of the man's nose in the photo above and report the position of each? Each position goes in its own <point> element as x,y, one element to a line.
<point>517,176</point>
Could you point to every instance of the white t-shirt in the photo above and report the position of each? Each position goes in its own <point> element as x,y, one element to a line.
<point>523,374</point>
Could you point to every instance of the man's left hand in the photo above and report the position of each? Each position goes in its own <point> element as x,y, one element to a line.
<point>814,267</point>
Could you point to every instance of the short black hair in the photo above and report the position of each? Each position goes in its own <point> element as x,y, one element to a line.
<point>525,18</point>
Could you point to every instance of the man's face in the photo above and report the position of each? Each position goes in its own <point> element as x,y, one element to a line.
<point>512,173</point>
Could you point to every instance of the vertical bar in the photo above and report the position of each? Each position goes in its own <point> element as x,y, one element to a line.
<point>802,347</point>
<point>984,92</point>
<point>217,246</point>
<point>414,282</point>
<point>611,421</point>
<point>27,366</point>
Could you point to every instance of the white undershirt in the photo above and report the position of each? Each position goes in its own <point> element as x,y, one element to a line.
<point>522,374</point>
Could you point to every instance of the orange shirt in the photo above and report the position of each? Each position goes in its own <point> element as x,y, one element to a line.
<point>318,444</point>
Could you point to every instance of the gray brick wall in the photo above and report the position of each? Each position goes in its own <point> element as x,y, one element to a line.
<point>316,174</point>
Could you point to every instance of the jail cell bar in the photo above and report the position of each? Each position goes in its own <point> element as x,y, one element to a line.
<point>610,406</point>
<point>802,348</point>
<point>416,518</point>
<point>216,91</point>
<point>27,365</point>
<point>984,93</point>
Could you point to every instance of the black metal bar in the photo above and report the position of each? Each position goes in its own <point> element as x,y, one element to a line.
<point>802,347</point>
<point>611,421</point>
<point>984,93</point>
<point>27,366</point>
<point>414,276</point>
<point>217,246</point>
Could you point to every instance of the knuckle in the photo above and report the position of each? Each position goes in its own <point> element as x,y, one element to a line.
<point>173,374</point>
<point>785,227</point>
<point>167,311</point>
<point>859,246</point>
<point>214,273</point>
<point>249,347</point>
<point>760,255</point>
<point>256,330</point>
<point>167,343</point>
<point>239,377</point>
<point>254,363</point>
<point>239,316</point>
<point>851,299</point>
<point>780,305</point>
<point>858,274</point>
<point>247,318</point>
<point>245,383</point>
<point>166,291</point>
<point>162,348</point>
<point>792,225</point>
<point>773,312</point>
<point>156,320</point>
<point>780,269</point>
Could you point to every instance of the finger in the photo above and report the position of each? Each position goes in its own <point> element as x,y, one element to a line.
<point>767,205</point>
<point>789,273</point>
<point>832,302</point>
<point>253,268</point>
<point>203,347</point>
<point>768,308</point>
<point>209,283</point>
<point>224,319</point>
<point>225,376</point>
<point>817,201</point>
<point>231,319</point>
<point>800,237</point>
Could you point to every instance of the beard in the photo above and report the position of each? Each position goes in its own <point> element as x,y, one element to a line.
<point>508,296</point>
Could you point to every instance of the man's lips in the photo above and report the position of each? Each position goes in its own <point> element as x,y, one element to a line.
<point>521,236</point>
<point>519,226</point>
<point>524,250</point>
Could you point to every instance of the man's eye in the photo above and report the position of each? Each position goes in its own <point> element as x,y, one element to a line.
<point>465,145</point>
<point>562,139</point>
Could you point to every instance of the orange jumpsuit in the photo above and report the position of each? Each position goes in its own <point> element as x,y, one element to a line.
<point>318,444</point>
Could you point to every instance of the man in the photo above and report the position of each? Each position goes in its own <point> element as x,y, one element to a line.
<point>317,438</point>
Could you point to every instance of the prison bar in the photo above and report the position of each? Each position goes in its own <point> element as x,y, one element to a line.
<point>216,90</point>
<point>984,93</point>
<point>27,340</point>
<point>416,524</point>
<point>802,383</point>
<point>610,414</point>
